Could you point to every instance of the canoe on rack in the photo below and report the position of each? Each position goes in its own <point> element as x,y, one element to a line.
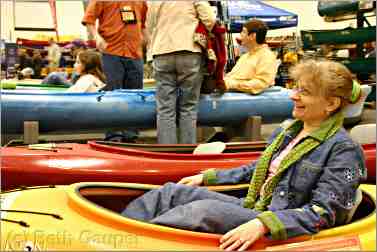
<point>36,84</point>
<point>313,38</point>
<point>120,109</point>
<point>86,216</point>
<point>70,163</point>
<point>345,9</point>
<point>360,65</point>
<point>33,87</point>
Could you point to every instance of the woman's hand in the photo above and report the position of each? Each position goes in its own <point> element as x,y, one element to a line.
<point>195,180</point>
<point>243,236</point>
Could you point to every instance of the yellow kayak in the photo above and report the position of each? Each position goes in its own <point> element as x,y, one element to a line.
<point>85,216</point>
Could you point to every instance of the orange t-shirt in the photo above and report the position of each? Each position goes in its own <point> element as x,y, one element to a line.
<point>122,39</point>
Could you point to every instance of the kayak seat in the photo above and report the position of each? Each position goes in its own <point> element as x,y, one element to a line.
<point>114,199</point>
<point>352,112</point>
<point>210,148</point>
<point>364,133</point>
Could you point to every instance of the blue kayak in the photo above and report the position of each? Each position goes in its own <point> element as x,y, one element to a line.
<point>119,109</point>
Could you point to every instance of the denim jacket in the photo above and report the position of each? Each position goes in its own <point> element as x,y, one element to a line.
<point>315,193</point>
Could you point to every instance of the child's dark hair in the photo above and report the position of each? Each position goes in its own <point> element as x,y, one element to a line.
<point>92,64</point>
<point>259,27</point>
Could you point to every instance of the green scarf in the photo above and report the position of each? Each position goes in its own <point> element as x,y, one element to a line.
<point>327,129</point>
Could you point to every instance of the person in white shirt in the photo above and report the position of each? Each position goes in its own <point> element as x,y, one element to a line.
<point>89,67</point>
<point>177,64</point>
<point>53,55</point>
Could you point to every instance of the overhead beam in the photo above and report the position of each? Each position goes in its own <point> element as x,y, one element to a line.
<point>34,29</point>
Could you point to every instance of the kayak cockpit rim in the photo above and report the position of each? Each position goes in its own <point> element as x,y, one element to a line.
<point>83,196</point>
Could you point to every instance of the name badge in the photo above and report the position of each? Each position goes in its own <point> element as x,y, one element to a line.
<point>128,15</point>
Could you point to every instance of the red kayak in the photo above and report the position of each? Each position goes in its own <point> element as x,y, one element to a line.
<point>70,163</point>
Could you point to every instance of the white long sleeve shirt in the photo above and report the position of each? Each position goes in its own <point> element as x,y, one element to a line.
<point>171,25</point>
<point>87,83</point>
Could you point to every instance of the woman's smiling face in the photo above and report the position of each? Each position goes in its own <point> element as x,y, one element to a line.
<point>309,105</point>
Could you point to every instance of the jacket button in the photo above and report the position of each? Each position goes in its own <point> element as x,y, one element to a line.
<point>281,193</point>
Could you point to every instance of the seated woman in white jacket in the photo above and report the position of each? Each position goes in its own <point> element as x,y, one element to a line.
<point>89,67</point>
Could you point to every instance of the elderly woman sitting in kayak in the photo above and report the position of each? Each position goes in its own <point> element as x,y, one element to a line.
<point>305,180</point>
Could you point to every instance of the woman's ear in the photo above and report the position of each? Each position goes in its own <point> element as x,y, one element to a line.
<point>333,104</point>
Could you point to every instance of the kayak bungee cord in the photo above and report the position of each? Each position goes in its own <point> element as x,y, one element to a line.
<point>22,223</point>
<point>22,188</point>
<point>56,216</point>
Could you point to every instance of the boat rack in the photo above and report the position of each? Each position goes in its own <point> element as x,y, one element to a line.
<point>31,132</point>
<point>250,130</point>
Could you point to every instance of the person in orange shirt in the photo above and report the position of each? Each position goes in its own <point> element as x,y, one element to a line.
<point>120,39</point>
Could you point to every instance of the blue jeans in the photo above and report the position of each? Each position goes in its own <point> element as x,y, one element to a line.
<point>188,207</point>
<point>178,79</point>
<point>56,78</point>
<point>122,72</point>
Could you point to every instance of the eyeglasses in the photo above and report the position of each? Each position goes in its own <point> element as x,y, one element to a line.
<point>302,92</point>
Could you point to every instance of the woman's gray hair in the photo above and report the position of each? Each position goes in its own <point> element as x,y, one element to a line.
<point>326,78</point>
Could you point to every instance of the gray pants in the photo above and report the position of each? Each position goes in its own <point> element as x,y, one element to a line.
<point>180,71</point>
<point>192,208</point>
